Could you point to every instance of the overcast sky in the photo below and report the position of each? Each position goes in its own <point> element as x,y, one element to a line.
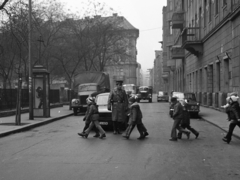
<point>145,15</point>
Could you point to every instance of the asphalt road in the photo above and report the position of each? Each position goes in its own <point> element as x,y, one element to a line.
<point>55,152</point>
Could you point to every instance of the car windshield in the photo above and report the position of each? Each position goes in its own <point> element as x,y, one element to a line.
<point>160,93</point>
<point>190,97</point>
<point>87,88</point>
<point>178,94</point>
<point>143,89</point>
<point>102,100</point>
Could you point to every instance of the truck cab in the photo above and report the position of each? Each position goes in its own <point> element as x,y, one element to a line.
<point>144,93</point>
<point>79,105</point>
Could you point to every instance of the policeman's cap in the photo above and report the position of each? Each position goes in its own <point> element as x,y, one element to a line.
<point>119,82</point>
<point>174,99</point>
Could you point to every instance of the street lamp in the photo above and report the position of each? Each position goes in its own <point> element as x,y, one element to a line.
<point>30,60</point>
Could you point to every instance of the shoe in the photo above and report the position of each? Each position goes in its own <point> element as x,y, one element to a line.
<point>102,136</point>
<point>197,135</point>
<point>96,135</point>
<point>146,134</point>
<point>114,132</point>
<point>188,135</point>
<point>141,137</point>
<point>126,136</point>
<point>85,135</point>
<point>179,137</point>
<point>81,134</point>
<point>226,140</point>
<point>118,132</point>
<point>173,139</point>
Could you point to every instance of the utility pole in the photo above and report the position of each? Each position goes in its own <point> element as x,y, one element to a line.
<point>30,60</point>
<point>40,40</point>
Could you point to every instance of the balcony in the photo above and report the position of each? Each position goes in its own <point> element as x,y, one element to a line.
<point>178,20</point>
<point>165,69</point>
<point>165,75</point>
<point>191,40</point>
<point>177,52</point>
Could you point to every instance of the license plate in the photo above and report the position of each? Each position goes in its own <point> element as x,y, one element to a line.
<point>103,123</point>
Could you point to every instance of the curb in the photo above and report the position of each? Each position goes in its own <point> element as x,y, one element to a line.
<point>31,126</point>
<point>236,136</point>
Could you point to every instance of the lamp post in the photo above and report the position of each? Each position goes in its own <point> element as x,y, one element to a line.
<point>30,60</point>
<point>40,40</point>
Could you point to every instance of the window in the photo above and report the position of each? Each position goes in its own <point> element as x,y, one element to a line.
<point>224,3</point>
<point>210,11</point>
<point>216,7</point>
<point>170,5</point>
<point>205,13</point>
<point>170,28</point>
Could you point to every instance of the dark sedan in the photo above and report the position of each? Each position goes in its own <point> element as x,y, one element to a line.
<point>190,98</point>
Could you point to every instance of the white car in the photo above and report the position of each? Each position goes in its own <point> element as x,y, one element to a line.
<point>105,116</point>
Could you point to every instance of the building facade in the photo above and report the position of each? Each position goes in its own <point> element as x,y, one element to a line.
<point>126,69</point>
<point>202,48</point>
<point>157,71</point>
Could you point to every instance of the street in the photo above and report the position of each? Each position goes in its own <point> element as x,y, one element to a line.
<point>55,152</point>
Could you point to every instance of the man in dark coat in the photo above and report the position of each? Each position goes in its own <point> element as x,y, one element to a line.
<point>118,103</point>
<point>177,116</point>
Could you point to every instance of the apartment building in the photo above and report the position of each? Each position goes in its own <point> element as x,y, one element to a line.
<point>201,47</point>
<point>157,71</point>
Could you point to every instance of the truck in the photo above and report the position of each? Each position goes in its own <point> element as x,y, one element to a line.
<point>130,89</point>
<point>88,84</point>
<point>144,93</point>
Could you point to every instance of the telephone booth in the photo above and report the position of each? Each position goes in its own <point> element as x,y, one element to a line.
<point>41,88</point>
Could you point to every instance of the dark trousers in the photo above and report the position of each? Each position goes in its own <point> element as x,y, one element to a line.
<point>232,126</point>
<point>87,124</point>
<point>187,126</point>
<point>176,126</point>
<point>140,127</point>
<point>116,126</point>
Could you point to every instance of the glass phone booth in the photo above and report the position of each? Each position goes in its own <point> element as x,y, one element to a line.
<point>41,88</point>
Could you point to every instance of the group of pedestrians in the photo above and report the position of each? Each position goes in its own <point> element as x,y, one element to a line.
<point>121,106</point>
<point>181,119</point>
<point>233,112</point>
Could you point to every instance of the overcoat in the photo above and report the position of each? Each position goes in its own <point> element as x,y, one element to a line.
<point>118,103</point>
<point>92,114</point>
<point>135,116</point>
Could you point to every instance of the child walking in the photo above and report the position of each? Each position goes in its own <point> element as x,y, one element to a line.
<point>93,116</point>
<point>185,123</point>
<point>135,118</point>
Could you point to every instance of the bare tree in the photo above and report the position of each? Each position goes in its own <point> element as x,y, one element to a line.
<point>3,4</point>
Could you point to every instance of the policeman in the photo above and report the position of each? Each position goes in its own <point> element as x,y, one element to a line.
<point>118,103</point>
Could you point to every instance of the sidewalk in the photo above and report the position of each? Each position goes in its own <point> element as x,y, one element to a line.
<point>7,124</point>
<point>218,119</point>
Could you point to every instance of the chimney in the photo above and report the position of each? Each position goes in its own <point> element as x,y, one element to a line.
<point>115,14</point>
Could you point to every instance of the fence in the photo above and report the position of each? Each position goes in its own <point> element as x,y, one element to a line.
<point>8,98</point>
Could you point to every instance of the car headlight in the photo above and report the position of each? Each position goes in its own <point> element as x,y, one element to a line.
<point>76,101</point>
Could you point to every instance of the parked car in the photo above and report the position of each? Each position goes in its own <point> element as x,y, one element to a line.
<point>190,98</point>
<point>105,116</point>
<point>162,96</point>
